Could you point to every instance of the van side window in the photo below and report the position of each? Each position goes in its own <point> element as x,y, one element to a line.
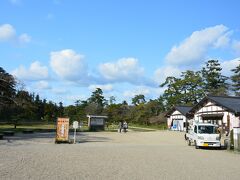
<point>195,129</point>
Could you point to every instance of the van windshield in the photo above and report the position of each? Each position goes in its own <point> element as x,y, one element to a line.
<point>207,130</point>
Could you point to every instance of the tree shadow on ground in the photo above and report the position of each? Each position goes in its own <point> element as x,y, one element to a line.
<point>49,137</point>
<point>88,138</point>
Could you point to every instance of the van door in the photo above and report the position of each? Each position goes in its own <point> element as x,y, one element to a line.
<point>195,132</point>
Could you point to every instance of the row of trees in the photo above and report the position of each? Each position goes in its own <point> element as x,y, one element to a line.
<point>189,89</point>
<point>18,104</point>
<point>140,111</point>
<point>192,86</point>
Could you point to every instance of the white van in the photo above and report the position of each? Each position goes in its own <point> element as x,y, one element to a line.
<point>204,135</point>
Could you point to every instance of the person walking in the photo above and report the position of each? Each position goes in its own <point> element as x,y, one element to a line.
<point>120,126</point>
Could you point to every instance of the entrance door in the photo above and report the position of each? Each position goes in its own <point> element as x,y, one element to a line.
<point>178,124</point>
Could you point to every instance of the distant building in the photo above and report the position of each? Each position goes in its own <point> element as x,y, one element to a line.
<point>221,110</point>
<point>177,118</point>
<point>96,123</point>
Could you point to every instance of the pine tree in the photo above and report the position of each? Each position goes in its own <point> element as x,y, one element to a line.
<point>138,99</point>
<point>214,81</point>
<point>172,95</point>
<point>7,88</point>
<point>192,87</point>
<point>97,101</point>
<point>236,80</point>
<point>60,110</point>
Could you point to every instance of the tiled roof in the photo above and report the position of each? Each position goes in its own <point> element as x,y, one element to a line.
<point>182,109</point>
<point>231,103</point>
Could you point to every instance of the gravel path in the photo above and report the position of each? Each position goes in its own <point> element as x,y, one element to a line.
<point>107,155</point>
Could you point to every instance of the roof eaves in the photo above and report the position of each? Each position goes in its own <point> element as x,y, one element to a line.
<point>198,104</point>
<point>219,103</point>
<point>181,110</point>
<point>170,111</point>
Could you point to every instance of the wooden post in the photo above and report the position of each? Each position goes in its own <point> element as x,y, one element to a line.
<point>228,124</point>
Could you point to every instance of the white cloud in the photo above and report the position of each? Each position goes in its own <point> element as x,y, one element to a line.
<point>194,48</point>
<point>74,98</point>
<point>104,87</point>
<point>227,66</point>
<point>15,2</point>
<point>68,65</point>
<point>7,32</point>
<point>156,92</point>
<point>42,85</point>
<point>162,73</point>
<point>236,47</point>
<point>223,41</point>
<point>139,90</point>
<point>59,91</point>
<point>35,72</point>
<point>24,38</point>
<point>123,70</point>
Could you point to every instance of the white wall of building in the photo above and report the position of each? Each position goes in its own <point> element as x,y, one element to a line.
<point>212,108</point>
<point>178,120</point>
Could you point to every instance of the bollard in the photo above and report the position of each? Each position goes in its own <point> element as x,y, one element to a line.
<point>236,138</point>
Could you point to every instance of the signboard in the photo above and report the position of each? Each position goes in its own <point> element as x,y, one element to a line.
<point>62,129</point>
<point>75,124</point>
<point>97,121</point>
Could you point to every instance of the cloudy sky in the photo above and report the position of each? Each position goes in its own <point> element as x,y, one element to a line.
<point>64,49</point>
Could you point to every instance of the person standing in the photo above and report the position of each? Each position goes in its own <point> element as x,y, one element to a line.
<point>125,126</point>
<point>120,126</point>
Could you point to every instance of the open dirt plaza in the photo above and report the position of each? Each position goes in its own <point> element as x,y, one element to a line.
<point>111,155</point>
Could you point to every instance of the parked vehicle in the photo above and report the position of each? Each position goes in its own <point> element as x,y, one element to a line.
<point>203,135</point>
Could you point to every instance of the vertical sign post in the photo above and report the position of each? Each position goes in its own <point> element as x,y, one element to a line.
<point>62,130</point>
<point>236,138</point>
<point>75,126</point>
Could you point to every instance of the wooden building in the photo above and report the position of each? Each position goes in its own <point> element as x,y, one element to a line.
<point>96,123</point>
<point>177,118</point>
<point>221,110</point>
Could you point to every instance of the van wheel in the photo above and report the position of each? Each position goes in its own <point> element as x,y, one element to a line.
<point>189,142</point>
<point>196,146</point>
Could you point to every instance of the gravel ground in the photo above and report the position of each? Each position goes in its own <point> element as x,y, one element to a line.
<point>108,155</point>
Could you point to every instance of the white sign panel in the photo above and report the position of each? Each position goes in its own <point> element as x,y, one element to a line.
<point>97,121</point>
<point>75,124</point>
<point>236,131</point>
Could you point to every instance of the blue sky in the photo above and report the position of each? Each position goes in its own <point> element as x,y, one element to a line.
<point>64,49</point>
